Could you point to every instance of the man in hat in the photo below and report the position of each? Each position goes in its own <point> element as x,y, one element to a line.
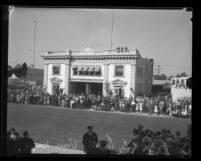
<point>90,140</point>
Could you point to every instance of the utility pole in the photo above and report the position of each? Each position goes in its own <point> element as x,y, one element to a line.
<point>158,69</point>
<point>112,29</point>
<point>34,41</point>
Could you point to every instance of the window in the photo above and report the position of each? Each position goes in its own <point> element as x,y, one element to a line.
<point>56,69</point>
<point>119,71</point>
<point>75,71</point>
<point>98,73</point>
<point>92,73</point>
<point>87,70</point>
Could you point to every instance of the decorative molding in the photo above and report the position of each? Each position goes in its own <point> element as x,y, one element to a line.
<point>132,64</point>
<point>118,81</point>
<point>55,79</point>
<point>106,64</point>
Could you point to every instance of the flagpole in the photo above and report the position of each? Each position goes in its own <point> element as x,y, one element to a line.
<point>112,29</point>
<point>34,40</point>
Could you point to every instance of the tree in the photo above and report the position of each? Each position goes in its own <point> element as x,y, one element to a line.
<point>163,77</point>
<point>177,76</point>
<point>170,77</point>
<point>160,77</point>
<point>183,74</point>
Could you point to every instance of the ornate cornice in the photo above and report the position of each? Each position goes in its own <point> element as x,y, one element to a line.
<point>90,57</point>
<point>56,57</point>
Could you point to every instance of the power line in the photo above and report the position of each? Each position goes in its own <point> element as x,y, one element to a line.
<point>173,66</point>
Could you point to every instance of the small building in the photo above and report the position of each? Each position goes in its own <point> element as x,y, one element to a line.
<point>159,86</point>
<point>181,88</point>
<point>34,76</point>
<point>107,72</point>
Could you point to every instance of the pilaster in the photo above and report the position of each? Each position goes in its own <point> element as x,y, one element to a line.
<point>45,76</point>
<point>132,81</point>
<point>67,78</point>
<point>105,77</point>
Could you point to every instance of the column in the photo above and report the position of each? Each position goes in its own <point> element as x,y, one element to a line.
<point>88,88</point>
<point>67,78</point>
<point>45,76</point>
<point>105,77</point>
<point>132,81</point>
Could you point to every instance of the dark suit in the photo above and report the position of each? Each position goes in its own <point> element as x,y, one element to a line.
<point>25,145</point>
<point>90,142</point>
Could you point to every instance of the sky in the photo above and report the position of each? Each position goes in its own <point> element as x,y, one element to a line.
<point>163,35</point>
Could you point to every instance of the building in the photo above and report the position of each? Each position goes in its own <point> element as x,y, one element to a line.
<point>34,76</point>
<point>181,88</point>
<point>118,72</point>
<point>160,86</point>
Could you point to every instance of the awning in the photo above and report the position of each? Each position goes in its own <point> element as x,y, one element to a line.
<point>97,68</point>
<point>74,66</point>
<point>91,68</point>
<point>86,67</point>
<point>80,68</point>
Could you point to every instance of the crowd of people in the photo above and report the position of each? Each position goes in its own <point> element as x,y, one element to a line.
<point>144,142</point>
<point>157,105</point>
<point>17,145</point>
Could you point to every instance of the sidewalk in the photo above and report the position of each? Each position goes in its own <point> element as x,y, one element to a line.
<point>49,149</point>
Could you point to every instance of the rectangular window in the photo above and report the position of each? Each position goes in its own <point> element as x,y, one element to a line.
<point>75,70</point>
<point>81,73</point>
<point>56,69</point>
<point>98,73</point>
<point>86,70</point>
<point>119,71</point>
<point>92,73</point>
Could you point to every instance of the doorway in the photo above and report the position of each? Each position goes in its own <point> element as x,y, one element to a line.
<point>119,90</point>
<point>55,87</point>
<point>86,88</point>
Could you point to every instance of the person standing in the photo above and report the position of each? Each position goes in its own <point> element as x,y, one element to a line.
<point>90,140</point>
<point>26,144</point>
<point>133,105</point>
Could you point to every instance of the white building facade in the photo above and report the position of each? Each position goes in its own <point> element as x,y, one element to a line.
<point>107,72</point>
